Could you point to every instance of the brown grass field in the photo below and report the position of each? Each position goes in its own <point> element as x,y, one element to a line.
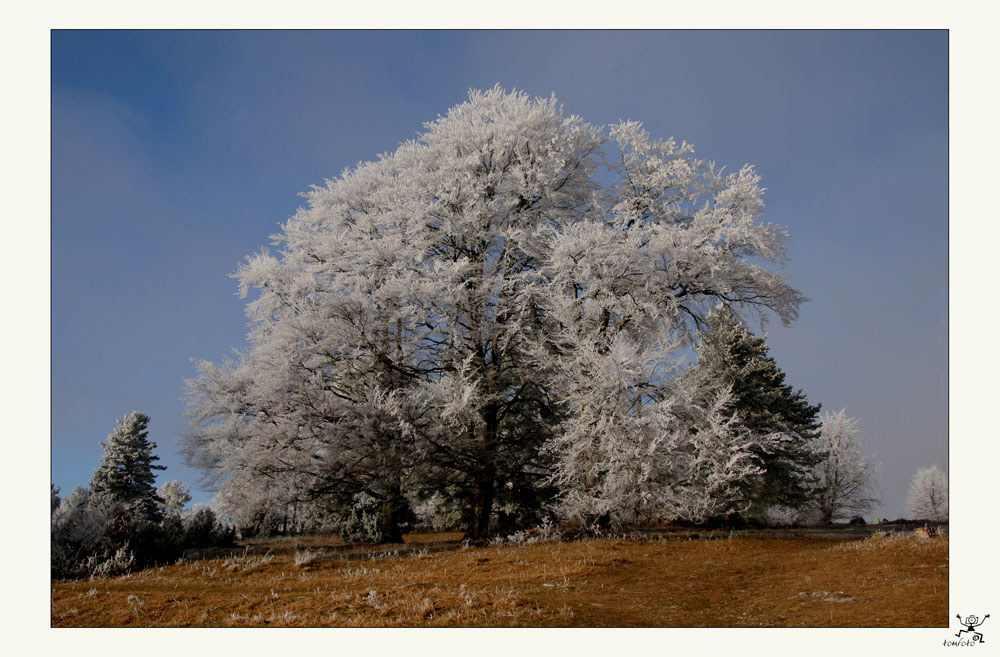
<point>887,580</point>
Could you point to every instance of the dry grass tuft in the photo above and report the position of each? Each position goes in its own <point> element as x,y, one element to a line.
<point>304,558</point>
<point>244,562</point>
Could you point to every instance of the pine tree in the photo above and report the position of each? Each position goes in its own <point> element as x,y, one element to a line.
<point>125,477</point>
<point>729,354</point>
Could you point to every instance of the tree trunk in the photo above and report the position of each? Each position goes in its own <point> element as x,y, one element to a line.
<point>394,502</point>
<point>484,478</point>
<point>482,505</point>
<point>391,510</point>
<point>389,524</point>
<point>506,522</point>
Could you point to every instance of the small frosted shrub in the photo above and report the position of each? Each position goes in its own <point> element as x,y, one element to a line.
<point>77,533</point>
<point>120,563</point>
<point>544,533</point>
<point>439,513</point>
<point>781,516</point>
<point>362,523</point>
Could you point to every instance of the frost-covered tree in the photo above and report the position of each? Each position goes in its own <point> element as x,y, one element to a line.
<point>77,534</point>
<point>406,281</point>
<point>421,328</point>
<point>673,458</point>
<point>256,505</point>
<point>125,476</point>
<point>730,355</point>
<point>76,521</point>
<point>275,436</point>
<point>174,496</point>
<point>928,497</point>
<point>845,479</point>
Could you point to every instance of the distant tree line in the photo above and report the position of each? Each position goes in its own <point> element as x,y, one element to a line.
<point>121,522</point>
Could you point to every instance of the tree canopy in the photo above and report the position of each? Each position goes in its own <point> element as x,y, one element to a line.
<point>496,309</point>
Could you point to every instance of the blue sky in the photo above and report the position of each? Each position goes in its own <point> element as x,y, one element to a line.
<point>175,154</point>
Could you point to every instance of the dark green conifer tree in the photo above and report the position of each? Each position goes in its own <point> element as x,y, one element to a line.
<point>729,354</point>
<point>125,477</point>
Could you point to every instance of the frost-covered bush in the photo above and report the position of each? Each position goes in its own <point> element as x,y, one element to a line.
<point>362,523</point>
<point>439,513</point>
<point>75,521</point>
<point>544,533</point>
<point>781,516</point>
<point>121,562</point>
<point>77,533</point>
<point>121,523</point>
<point>317,518</point>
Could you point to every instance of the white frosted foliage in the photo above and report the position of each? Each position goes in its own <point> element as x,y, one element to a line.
<point>485,304</point>
<point>174,496</point>
<point>846,482</point>
<point>928,497</point>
